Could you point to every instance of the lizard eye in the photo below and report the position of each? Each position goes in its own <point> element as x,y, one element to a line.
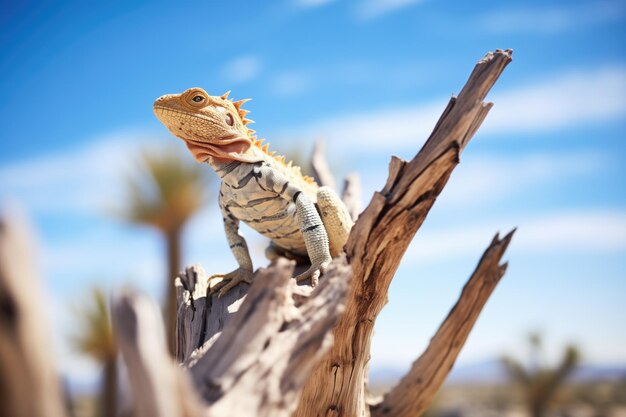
<point>229,119</point>
<point>196,98</point>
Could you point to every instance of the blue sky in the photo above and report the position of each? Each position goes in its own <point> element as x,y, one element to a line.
<point>370,78</point>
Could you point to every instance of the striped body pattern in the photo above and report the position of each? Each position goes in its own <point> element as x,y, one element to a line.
<point>264,202</point>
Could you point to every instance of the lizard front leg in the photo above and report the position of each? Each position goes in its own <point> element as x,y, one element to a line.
<point>239,248</point>
<point>315,239</point>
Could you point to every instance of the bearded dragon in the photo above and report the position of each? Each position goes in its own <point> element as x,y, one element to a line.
<point>300,218</point>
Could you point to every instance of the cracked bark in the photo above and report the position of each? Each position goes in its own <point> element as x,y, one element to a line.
<point>240,356</point>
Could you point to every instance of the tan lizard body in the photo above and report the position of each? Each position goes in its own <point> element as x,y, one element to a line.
<point>274,198</point>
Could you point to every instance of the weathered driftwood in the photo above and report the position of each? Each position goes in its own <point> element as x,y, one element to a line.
<point>258,364</point>
<point>266,352</point>
<point>29,383</point>
<point>201,319</point>
<point>380,238</point>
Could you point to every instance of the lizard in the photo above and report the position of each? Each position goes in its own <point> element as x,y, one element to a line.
<point>302,219</point>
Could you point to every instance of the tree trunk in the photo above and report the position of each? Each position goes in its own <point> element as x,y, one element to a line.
<point>109,389</point>
<point>173,243</point>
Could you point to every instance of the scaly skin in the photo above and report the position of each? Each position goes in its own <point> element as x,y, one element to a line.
<point>257,188</point>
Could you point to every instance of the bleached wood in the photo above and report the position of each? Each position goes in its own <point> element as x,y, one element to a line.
<point>259,362</point>
<point>319,166</point>
<point>351,192</point>
<point>351,195</point>
<point>29,383</point>
<point>201,319</point>
<point>247,354</point>
<point>160,388</point>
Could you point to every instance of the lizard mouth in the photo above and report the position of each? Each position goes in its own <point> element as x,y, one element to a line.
<point>165,113</point>
<point>227,146</point>
<point>170,117</point>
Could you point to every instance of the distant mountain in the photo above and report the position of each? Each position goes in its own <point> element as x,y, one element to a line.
<point>486,372</point>
<point>586,373</point>
<point>492,371</point>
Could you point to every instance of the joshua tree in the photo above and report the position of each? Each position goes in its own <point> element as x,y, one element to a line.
<point>96,339</point>
<point>539,382</point>
<point>164,195</point>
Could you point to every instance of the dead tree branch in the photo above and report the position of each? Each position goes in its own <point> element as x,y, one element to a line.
<point>351,195</point>
<point>380,237</point>
<point>351,192</point>
<point>29,384</point>
<point>415,392</point>
<point>321,172</point>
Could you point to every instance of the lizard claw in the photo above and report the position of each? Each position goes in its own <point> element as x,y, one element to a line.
<point>314,273</point>
<point>230,281</point>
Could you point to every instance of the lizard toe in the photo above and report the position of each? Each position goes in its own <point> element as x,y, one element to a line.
<point>230,281</point>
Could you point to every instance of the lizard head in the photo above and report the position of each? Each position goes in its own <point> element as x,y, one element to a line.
<point>211,126</point>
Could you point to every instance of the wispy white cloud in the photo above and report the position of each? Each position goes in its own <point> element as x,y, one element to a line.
<point>291,83</point>
<point>372,9</point>
<point>554,19</point>
<point>242,69</point>
<point>390,128</point>
<point>83,179</point>
<point>582,231</point>
<point>482,180</point>
<point>568,99</point>
<point>497,177</point>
